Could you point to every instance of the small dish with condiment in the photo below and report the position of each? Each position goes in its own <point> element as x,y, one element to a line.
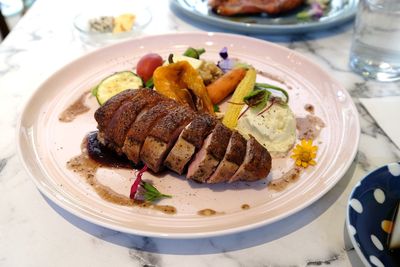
<point>371,216</point>
<point>109,23</point>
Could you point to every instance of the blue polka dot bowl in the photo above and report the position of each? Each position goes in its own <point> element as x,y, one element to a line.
<point>370,213</point>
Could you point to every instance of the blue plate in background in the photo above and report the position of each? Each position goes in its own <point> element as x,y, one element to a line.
<point>339,11</point>
<point>370,211</point>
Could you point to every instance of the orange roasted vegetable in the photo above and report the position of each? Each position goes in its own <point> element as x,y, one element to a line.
<point>224,85</point>
<point>181,82</point>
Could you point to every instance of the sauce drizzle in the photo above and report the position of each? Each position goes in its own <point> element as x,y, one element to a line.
<point>287,178</point>
<point>75,109</point>
<point>309,127</point>
<point>87,168</point>
<point>245,206</point>
<point>207,212</point>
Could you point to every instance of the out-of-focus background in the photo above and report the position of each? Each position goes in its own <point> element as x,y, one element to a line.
<point>10,13</point>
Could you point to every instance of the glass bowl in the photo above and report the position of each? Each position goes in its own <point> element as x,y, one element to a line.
<point>81,22</point>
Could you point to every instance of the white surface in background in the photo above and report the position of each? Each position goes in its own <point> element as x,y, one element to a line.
<point>385,111</point>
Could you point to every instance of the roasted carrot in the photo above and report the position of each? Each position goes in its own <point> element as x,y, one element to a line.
<point>225,84</point>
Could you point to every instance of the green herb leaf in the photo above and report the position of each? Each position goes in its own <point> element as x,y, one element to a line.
<point>273,87</point>
<point>216,108</point>
<point>257,97</point>
<point>151,193</point>
<point>304,15</point>
<point>194,53</point>
<point>150,83</point>
<point>94,90</point>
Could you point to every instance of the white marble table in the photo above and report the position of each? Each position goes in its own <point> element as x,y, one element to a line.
<point>36,232</point>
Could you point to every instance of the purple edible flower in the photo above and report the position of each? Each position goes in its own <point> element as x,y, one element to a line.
<point>316,10</point>
<point>224,53</point>
<point>226,64</point>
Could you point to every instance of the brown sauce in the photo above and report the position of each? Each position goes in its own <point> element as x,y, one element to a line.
<point>309,108</point>
<point>163,208</point>
<point>86,167</point>
<point>106,156</point>
<point>245,206</point>
<point>287,178</point>
<point>309,127</point>
<point>207,212</point>
<point>75,109</point>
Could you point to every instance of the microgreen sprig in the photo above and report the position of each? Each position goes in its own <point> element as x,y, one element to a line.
<point>273,87</point>
<point>260,96</point>
<point>151,193</point>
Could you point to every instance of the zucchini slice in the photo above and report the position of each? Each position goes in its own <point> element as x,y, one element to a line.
<point>116,83</point>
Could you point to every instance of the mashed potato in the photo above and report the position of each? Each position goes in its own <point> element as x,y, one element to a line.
<point>275,129</point>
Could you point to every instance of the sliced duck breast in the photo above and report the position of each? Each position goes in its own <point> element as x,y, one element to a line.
<point>256,164</point>
<point>190,140</point>
<point>211,153</point>
<point>199,128</point>
<point>145,126</point>
<point>140,129</point>
<point>163,136</point>
<point>234,156</point>
<point>104,114</point>
<point>126,114</point>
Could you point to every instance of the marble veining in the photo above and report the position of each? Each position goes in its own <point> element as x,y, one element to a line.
<point>36,232</point>
<point>3,163</point>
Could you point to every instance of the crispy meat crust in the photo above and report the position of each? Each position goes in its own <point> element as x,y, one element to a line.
<point>198,130</point>
<point>219,141</point>
<point>238,149</point>
<point>165,127</point>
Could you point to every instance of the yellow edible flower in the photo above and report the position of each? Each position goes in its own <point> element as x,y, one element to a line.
<point>305,153</point>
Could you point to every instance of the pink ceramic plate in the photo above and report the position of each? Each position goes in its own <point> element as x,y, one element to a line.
<point>46,144</point>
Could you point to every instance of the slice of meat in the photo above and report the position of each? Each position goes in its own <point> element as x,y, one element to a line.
<point>190,140</point>
<point>119,125</point>
<point>115,132</point>
<point>104,114</point>
<point>199,128</point>
<point>236,7</point>
<point>140,129</point>
<point>163,136</point>
<point>234,156</point>
<point>180,155</point>
<point>211,153</point>
<point>256,164</point>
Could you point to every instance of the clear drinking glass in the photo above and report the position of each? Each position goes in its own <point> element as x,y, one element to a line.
<point>375,50</point>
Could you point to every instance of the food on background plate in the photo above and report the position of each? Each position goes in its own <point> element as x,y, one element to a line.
<point>237,7</point>
<point>316,10</point>
<point>123,23</point>
<point>313,9</point>
<point>110,24</point>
